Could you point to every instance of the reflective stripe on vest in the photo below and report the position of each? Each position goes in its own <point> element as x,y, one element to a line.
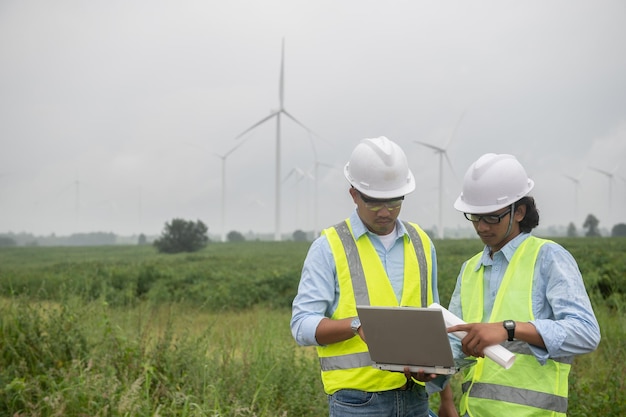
<point>527,388</point>
<point>517,396</point>
<point>347,364</point>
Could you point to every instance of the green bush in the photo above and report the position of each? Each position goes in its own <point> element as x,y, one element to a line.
<point>182,236</point>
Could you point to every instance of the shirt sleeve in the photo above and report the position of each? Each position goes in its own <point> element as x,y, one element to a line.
<point>564,316</point>
<point>316,293</point>
<point>455,308</point>
<point>435,284</point>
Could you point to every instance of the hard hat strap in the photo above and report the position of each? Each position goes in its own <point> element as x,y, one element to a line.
<point>510,228</point>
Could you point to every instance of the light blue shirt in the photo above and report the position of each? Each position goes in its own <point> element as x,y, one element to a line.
<point>318,292</point>
<point>563,314</point>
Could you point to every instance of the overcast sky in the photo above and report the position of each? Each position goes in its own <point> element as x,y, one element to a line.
<point>114,114</point>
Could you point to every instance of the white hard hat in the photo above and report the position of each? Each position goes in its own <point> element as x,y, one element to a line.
<point>491,183</point>
<point>379,169</point>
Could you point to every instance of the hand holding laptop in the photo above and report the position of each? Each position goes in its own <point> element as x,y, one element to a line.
<point>419,375</point>
<point>498,353</point>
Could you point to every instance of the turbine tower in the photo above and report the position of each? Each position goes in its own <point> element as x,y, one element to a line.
<point>277,113</point>
<point>442,154</point>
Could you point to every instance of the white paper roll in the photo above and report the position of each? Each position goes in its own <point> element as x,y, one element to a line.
<point>497,353</point>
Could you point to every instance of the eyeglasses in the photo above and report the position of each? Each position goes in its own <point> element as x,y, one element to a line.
<point>487,218</point>
<point>376,205</point>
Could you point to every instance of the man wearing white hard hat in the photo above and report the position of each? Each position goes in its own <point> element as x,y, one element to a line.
<point>521,291</point>
<point>370,258</point>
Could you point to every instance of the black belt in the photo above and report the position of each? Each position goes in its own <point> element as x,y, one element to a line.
<point>410,384</point>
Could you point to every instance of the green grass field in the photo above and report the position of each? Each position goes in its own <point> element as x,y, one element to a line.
<point>124,331</point>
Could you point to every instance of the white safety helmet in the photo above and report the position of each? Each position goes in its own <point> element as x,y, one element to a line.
<point>491,183</point>
<point>379,169</point>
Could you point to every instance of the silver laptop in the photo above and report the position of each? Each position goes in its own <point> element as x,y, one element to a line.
<point>399,337</point>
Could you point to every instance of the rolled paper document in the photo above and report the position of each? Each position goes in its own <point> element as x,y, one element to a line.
<point>497,353</point>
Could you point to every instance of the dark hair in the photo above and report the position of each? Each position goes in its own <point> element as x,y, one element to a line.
<point>531,219</point>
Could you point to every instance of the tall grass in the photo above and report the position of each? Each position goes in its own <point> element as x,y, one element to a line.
<point>127,332</point>
<point>76,359</point>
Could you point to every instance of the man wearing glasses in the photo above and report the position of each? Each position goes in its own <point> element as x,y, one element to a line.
<point>520,291</point>
<point>371,258</point>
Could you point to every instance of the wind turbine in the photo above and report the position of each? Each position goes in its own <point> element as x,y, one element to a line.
<point>610,176</point>
<point>299,174</point>
<point>442,154</point>
<point>223,190</point>
<point>277,113</point>
<point>576,182</point>
<point>223,202</point>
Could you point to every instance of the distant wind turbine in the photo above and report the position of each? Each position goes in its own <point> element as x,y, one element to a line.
<point>223,180</point>
<point>610,176</point>
<point>277,114</point>
<point>223,202</point>
<point>442,154</point>
<point>299,174</point>
<point>576,182</point>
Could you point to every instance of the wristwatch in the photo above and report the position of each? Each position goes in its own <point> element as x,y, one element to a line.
<point>355,325</point>
<point>509,325</point>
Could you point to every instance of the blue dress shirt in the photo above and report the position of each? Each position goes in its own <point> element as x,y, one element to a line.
<point>563,313</point>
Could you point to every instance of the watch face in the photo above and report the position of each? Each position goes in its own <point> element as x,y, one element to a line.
<point>356,323</point>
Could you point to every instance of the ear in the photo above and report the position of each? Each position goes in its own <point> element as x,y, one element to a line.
<point>354,193</point>
<point>520,213</point>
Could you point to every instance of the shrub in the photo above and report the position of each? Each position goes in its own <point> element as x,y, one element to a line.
<point>182,236</point>
<point>235,236</point>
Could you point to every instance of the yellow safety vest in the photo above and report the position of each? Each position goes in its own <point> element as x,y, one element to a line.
<point>363,281</point>
<point>527,388</point>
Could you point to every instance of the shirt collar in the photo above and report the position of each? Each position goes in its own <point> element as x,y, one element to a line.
<point>359,228</point>
<point>507,250</point>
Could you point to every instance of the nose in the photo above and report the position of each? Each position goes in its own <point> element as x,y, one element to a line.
<point>481,225</point>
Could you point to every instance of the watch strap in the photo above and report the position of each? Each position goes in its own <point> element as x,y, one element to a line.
<point>509,325</point>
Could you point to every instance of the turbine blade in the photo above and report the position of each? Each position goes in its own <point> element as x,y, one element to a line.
<point>428,145</point>
<point>234,148</point>
<point>289,174</point>
<point>451,168</point>
<point>323,164</point>
<point>456,128</point>
<point>601,171</point>
<point>286,113</point>
<point>256,124</point>
<point>615,169</point>
<point>311,132</point>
